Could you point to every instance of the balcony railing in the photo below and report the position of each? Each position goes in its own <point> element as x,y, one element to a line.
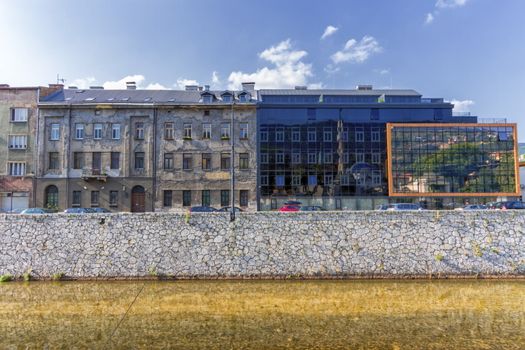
<point>96,174</point>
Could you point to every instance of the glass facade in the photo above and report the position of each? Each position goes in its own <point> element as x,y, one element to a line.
<point>452,160</point>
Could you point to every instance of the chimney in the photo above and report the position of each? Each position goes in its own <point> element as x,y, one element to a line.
<point>248,86</point>
<point>200,88</point>
<point>4,86</point>
<point>301,87</point>
<point>96,87</point>
<point>131,85</point>
<point>206,88</point>
<point>192,88</point>
<point>363,87</point>
<point>46,91</point>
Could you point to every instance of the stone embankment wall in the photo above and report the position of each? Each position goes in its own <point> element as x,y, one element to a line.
<point>328,244</point>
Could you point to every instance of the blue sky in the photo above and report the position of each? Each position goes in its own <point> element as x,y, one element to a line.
<point>469,51</point>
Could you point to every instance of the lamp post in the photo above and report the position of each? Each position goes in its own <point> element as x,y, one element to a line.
<point>232,164</point>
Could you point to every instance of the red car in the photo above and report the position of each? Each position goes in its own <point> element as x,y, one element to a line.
<point>290,208</point>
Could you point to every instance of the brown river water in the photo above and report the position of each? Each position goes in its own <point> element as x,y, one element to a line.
<point>362,314</point>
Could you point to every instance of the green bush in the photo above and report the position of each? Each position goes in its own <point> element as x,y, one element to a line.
<point>58,276</point>
<point>6,277</point>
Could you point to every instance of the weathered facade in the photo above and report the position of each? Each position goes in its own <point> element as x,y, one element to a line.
<point>143,150</point>
<point>18,115</point>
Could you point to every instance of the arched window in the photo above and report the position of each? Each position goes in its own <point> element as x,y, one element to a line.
<point>51,196</point>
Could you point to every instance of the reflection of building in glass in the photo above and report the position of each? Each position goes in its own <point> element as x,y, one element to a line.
<point>329,147</point>
<point>452,160</point>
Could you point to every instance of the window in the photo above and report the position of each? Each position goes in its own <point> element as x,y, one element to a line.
<point>243,198</point>
<point>115,160</point>
<point>328,157</point>
<point>359,157</point>
<point>296,180</point>
<point>359,135</point>
<point>19,114</point>
<point>51,195</point>
<point>312,180</point>
<point>113,198</point>
<point>18,141</point>
<point>53,161</point>
<point>139,131</point>
<point>279,158</point>
<point>207,99</point>
<point>327,135</point>
<point>296,135</point>
<point>264,180</point>
<point>78,160</point>
<point>376,157</point>
<point>296,158</point>
<point>345,180</point>
<point>187,131</point>
<point>244,161</point>
<point>312,158</point>
<point>205,198</point>
<point>311,135</point>
<point>139,160</point>
<point>186,198</point>
<point>226,98</point>
<point>225,198</point>
<point>79,131</point>
<point>168,131</point>
<point>376,178</point>
<point>17,168</point>
<point>187,160</point>
<point>206,161</point>
<point>243,98</point>
<point>54,135</point>
<point>115,131</point>
<point>206,113</point>
<point>346,158</point>
<point>375,136</point>
<point>264,135</point>
<point>243,133</point>
<point>345,134</point>
<point>328,180</point>
<point>206,131</point>
<point>94,198</point>
<point>168,161</point>
<point>264,158</point>
<point>279,135</point>
<point>279,180</point>
<point>77,199</point>
<point>225,131</point>
<point>167,199</point>
<point>97,131</point>
<point>225,161</point>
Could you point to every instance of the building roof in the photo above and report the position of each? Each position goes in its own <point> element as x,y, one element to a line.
<point>130,96</point>
<point>339,92</point>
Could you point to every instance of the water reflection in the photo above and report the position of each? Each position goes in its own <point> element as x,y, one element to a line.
<point>264,314</point>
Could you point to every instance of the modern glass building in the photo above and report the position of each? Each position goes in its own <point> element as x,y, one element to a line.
<point>330,147</point>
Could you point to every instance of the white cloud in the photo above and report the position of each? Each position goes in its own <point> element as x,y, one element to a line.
<point>156,86</point>
<point>182,82</point>
<point>216,80</point>
<point>462,106</point>
<point>383,71</point>
<point>330,30</point>
<point>441,4</point>
<point>83,83</point>
<point>357,52</point>
<point>429,19</point>
<point>331,69</point>
<point>289,70</point>
<point>121,84</point>
<point>316,86</point>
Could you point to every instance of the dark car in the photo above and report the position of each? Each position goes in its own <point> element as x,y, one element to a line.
<point>311,208</point>
<point>202,209</point>
<point>512,205</point>
<point>100,210</point>
<point>37,211</point>
<point>229,209</point>
<point>79,211</point>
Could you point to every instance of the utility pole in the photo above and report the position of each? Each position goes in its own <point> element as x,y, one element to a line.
<point>232,163</point>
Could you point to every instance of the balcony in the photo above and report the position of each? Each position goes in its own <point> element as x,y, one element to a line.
<point>94,174</point>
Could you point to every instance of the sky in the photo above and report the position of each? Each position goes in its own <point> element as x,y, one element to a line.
<point>470,52</point>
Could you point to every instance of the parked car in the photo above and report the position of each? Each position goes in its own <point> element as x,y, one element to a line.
<point>37,211</point>
<point>512,205</point>
<point>403,206</point>
<point>475,207</point>
<point>229,209</point>
<point>292,203</point>
<point>494,205</point>
<point>100,210</point>
<point>382,207</point>
<point>289,208</point>
<point>80,210</point>
<point>202,209</point>
<point>311,208</point>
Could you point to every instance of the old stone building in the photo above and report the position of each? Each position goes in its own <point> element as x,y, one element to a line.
<point>18,116</point>
<point>146,150</point>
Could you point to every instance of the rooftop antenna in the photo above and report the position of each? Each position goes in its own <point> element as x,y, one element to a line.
<point>60,80</point>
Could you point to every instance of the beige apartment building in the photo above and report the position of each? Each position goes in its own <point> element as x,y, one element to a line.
<point>146,150</point>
